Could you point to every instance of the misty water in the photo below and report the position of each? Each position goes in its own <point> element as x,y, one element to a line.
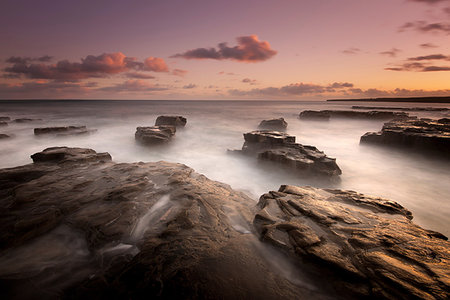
<point>421,183</point>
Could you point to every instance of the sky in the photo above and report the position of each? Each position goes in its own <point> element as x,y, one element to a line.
<point>218,50</point>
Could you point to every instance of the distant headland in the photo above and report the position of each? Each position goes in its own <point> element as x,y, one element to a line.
<point>409,99</point>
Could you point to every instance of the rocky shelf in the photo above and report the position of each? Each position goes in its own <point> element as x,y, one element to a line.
<point>327,114</point>
<point>424,135</point>
<point>281,148</point>
<point>63,130</point>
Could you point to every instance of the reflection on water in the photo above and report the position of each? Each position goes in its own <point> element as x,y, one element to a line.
<point>418,182</point>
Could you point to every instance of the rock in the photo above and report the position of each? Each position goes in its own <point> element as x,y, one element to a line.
<point>281,148</point>
<point>155,134</point>
<point>177,121</point>
<point>26,120</point>
<point>273,124</point>
<point>3,119</point>
<point>4,136</point>
<point>93,228</point>
<point>367,246</point>
<point>65,154</point>
<point>3,124</point>
<point>401,108</point>
<point>423,135</point>
<point>326,114</point>
<point>64,131</point>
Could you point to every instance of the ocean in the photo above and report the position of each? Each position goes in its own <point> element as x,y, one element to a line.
<point>419,182</point>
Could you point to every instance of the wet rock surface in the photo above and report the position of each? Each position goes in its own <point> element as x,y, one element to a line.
<point>177,121</point>
<point>368,247</point>
<point>327,114</point>
<point>401,108</point>
<point>5,119</point>
<point>26,120</point>
<point>273,124</point>
<point>4,136</point>
<point>281,148</point>
<point>423,135</point>
<point>155,135</point>
<point>63,130</point>
<point>76,225</point>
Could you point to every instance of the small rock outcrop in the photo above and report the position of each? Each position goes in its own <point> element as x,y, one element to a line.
<point>26,120</point>
<point>155,135</point>
<point>281,148</point>
<point>177,121</point>
<point>80,226</point>
<point>401,108</point>
<point>352,114</point>
<point>366,246</point>
<point>3,124</point>
<point>4,136</point>
<point>413,133</point>
<point>64,130</point>
<point>273,124</point>
<point>5,119</point>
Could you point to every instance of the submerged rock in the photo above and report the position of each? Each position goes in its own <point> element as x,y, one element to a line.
<point>64,130</point>
<point>3,119</point>
<point>327,114</point>
<point>281,148</point>
<point>177,121</point>
<point>155,134</point>
<point>76,225</point>
<point>4,136</point>
<point>273,124</point>
<point>413,133</point>
<point>401,108</point>
<point>26,120</point>
<point>368,247</point>
<point>3,124</point>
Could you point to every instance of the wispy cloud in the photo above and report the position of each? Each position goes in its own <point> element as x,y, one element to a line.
<point>249,49</point>
<point>428,45</point>
<point>428,1</point>
<point>351,51</point>
<point>250,81</point>
<point>133,86</point>
<point>425,63</point>
<point>392,53</point>
<point>189,86</point>
<point>425,27</point>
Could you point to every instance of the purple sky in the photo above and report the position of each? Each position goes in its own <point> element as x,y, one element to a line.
<point>224,49</point>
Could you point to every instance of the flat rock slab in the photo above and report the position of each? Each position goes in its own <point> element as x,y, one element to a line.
<point>177,121</point>
<point>155,135</point>
<point>76,225</point>
<point>4,136</point>
<point>401,108</point>
<point>273,124</point>
<point>26,120</point>
<point>424,135</point>
<point>327,114</point>
<point>281,148</point>
<point>63,130</point>
<point>3,119</point>
<point>367,246</point>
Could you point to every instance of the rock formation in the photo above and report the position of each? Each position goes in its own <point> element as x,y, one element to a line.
<point>154,135</point>
<point>26,120</point>
<point>76,225</point>
<point>63,131</point>
<point>327,114</point>
<point>366,246</point>
<point>273,124</point>
<point>281,148</point>
<point>177,121</point>
<point>413,133</point>
<point>3,119</point>
<point>3,124</point>
<point>4,136</point>
<point>401,108</point>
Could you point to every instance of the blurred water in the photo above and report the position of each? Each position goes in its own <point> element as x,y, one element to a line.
<point>419,182</point>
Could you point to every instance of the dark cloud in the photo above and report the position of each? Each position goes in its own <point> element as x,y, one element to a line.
<point>133,86</point>
<point>249,49</point>
<point>190,86</point>
<point>249,81</point>
<point>428,1</point>
<point>37,89</point>
<point>25,60</point>
<point>137,75</point>
<point>179,72</point>
<point>351,51</point>
<point>447,10</point>
<point>392,53</point>
<point>372,93</point>
<point>294,89</point>
<point>428,45</point>
<point>90,67</point>
<point>430,57</point>
<point>424,27</point>
<point>227,73</point>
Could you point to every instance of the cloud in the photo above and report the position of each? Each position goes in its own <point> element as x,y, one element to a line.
<point>42,88</point>
<point>446,10</point>
<point>430,57</point>
<point>428,45</point>
<point>294,89</point>
<point>190,86</point>
<point>392,53</point>
<point>91,66</point>
<point>398,92</point>
<point>249,49</point>
<point>227,73</point>
<point>351,51</point>
<point>138,75</point>
<point>179,72</point>
<point>249,81</point>
<point>428,1</point>
<point>25,60</point>
<point>424,27</point>
<point>133,86</point>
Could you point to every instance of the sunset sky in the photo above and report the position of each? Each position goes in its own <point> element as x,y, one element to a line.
<point>205,49</point>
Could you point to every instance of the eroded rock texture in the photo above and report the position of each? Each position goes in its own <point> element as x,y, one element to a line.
<point>413,133</point>
<point>281,148</point>
<point>177,121</point>
<point>155,135</point>
<point>327,114</point>
<point>273,124</point>
<point>368,247</point>
<point>76,225</point>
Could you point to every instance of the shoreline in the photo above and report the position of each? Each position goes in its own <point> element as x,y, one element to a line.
<point>409,99</point>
